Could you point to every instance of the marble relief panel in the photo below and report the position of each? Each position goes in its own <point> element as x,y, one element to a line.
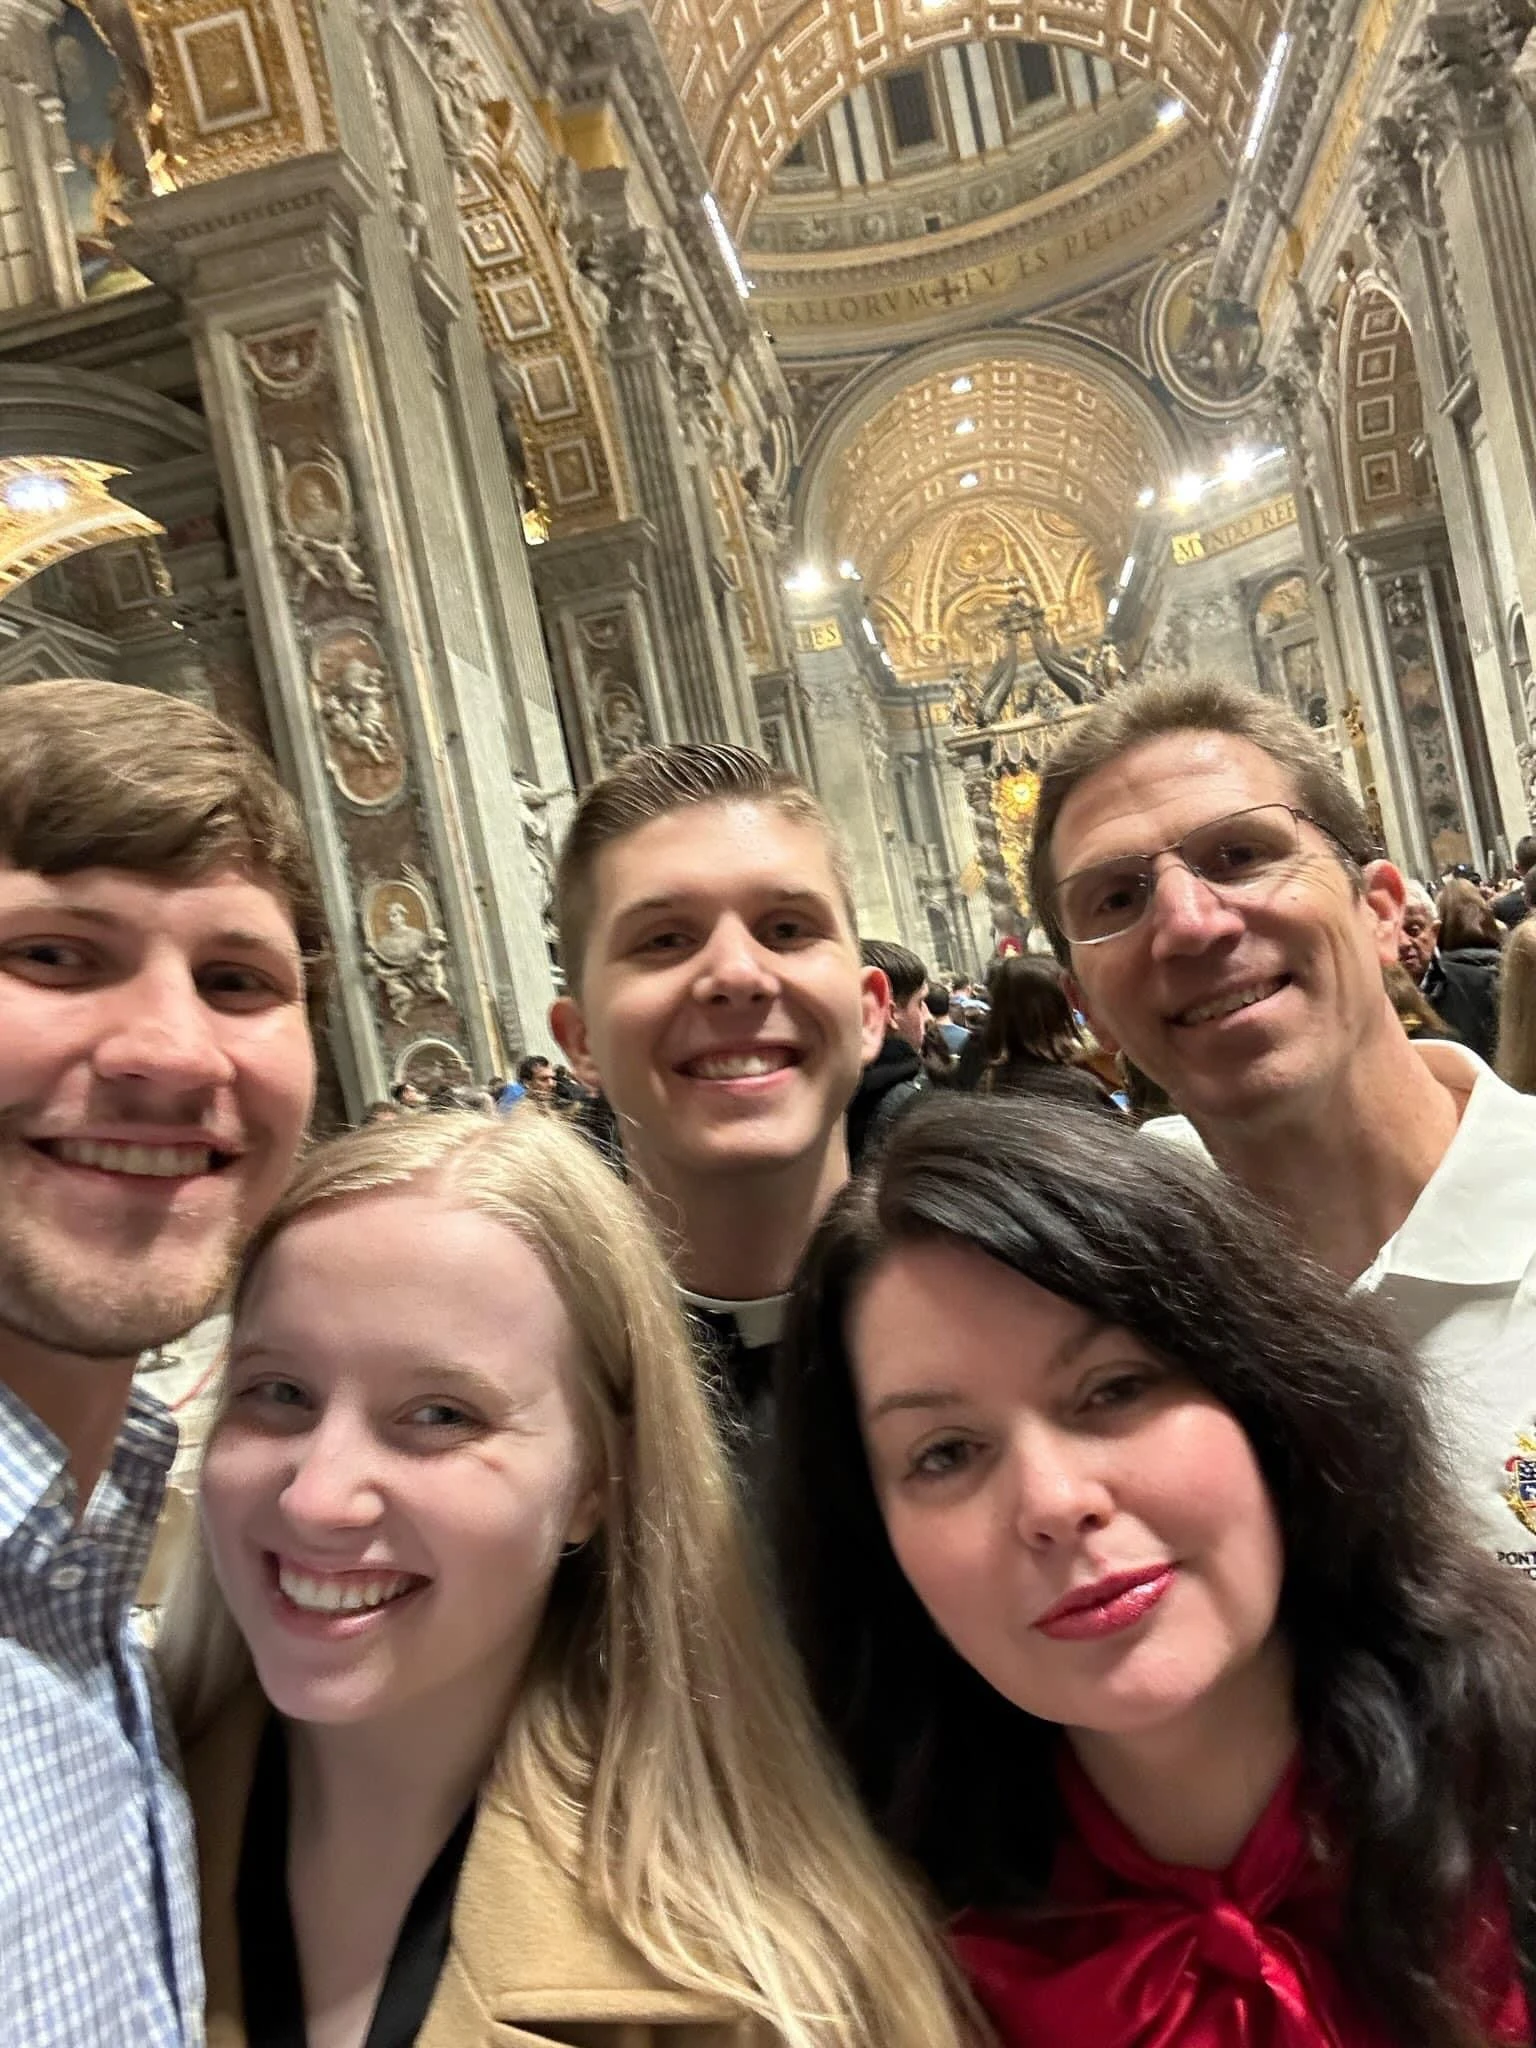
<point>359,719</point>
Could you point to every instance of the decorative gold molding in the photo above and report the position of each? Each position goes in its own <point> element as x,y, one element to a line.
<point>237,86</point>
<point>1269,517</point>
<point>37,537</point>
<point>522,281</point>
<point>1058,247</point>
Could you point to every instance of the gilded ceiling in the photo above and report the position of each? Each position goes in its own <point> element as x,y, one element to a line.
<point>753,74</point>
<point>939,590</point>
<point>1019,430</point>
<point>53,506</point>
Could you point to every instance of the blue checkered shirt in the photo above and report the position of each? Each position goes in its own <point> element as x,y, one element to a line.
<point>98,1898</point>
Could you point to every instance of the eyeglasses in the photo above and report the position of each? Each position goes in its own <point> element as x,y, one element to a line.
<point>1244,851</point>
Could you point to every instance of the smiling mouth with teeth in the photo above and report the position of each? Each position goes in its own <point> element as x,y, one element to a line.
<point>138,1162</point>
<point>738,1066</point>
<point>341,1592</point>
<point>1235,1000</point>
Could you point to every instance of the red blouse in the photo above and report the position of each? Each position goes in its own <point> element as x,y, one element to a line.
<point>1133,1953</point>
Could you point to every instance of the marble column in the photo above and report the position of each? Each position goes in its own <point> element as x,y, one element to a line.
<point>595,593</point>
<point>314,359</point>
<point>1406,574</point>
<point>1409,230</point>
<point>704,689</point>
<point>1367,716</point>
<point>33,114</point>
<point>850,751</point>
<point>1487,190</point>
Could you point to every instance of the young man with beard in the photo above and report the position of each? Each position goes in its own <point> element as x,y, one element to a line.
<point>159,923</point>
<point>1210,883</point>
<point>718,1001</point>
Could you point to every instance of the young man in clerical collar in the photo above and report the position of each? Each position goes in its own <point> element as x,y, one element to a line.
<point>158,925</point>
<point>718,1000</point>
<point>1210,882</point>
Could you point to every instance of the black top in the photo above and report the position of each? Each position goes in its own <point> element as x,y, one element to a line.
<point>1463,985</point>
<point>892,1080</point>
<point>269,1957</point>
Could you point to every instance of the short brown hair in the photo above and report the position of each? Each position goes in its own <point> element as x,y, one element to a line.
<point>1465,919</point>
<point>98,774</point>
<point>654,783</point>
<point>1151,711</point>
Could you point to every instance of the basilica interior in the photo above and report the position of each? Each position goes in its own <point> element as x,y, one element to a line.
<point>458,395</point>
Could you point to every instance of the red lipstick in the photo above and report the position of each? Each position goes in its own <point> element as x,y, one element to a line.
<point>1107,1606</point>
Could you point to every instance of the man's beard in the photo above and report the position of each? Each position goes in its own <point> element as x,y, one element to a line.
<point>109,1314</point>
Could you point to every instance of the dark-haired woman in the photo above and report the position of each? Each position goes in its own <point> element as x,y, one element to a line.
<point>1118,1550</point>
<point>1030,1043</point>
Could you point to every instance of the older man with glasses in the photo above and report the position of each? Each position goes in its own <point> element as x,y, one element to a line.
<point>1209,882</point>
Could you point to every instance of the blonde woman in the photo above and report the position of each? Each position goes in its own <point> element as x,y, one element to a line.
<point>1517,1009</point>
<point>489,1736</point>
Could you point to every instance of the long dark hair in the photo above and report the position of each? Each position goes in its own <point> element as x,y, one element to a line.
<point>1414,1653</point>
<point>1029,1017</point>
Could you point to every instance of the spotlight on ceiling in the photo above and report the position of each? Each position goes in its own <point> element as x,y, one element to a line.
<point>1145,496</point>
<point>869,632</point>
<point>37,494</point>
<point>1187,491</point>
<point>961,385</point>
<point>1127,571</point>
<point>848,572</point>
<point>969,481</point>
<point>1239,464</point>
<point>806,581</point>
<point>965,426</point>
<point>1170,113</point>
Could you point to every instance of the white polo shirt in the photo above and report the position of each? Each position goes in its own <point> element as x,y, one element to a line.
<point>1459,1278</point>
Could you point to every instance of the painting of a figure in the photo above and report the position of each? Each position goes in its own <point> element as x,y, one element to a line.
<point>100,82</point>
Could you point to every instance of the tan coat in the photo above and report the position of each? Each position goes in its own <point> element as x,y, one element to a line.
<point>528,1962</point>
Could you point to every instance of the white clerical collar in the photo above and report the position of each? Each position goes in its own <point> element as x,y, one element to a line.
<point>759,1322</point>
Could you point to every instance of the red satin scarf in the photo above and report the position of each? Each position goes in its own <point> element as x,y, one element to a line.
<point>1133,1953</point>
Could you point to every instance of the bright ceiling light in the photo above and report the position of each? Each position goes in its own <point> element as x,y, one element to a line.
<point>1264,105</point>
<point>1127,570</point>
<point>848,572</point>
<point>961,385</point>
<point>722,236</point>
<point>869,632</point>
<point>969,481</point>
<point>1187,490</point>
<point>1239,464</point>
<point>965,426</point>
<point>37,494</point>
<point>1112,607</point>
<point>807,581</point>
<point>1145,496</point>
<point>1169,113</point>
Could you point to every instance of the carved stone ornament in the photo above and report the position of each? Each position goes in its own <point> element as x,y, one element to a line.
<point>539,840</point>
<point>317,524</point>
<point>364,750</point>
<point>287,363</point>
<point>440,31</point>
<point>432,1064</point>
<point>407,950</point>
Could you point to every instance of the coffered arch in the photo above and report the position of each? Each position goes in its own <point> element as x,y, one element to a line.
<point>1035,420</point>
<point>754,74</point>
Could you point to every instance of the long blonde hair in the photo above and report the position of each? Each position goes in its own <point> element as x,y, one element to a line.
<point>1516,1060</point>
<point>662,1747</point>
